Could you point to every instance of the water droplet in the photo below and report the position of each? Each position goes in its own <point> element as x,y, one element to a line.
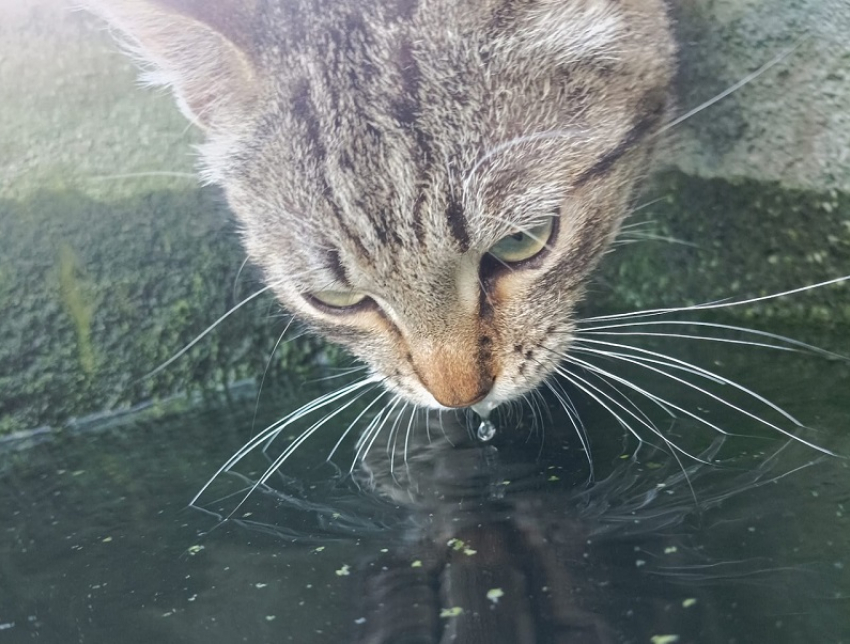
<point>486,430</point>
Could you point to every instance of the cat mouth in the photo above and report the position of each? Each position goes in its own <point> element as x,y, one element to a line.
<point>485,406</point>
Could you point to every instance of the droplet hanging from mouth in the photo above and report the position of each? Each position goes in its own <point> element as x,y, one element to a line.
<point>486,430</point>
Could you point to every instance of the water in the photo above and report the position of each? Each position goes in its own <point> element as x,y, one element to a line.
<point>486,430</point>
<point>437,536</point>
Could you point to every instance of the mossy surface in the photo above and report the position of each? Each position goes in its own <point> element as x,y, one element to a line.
<point>97,293</point>
<point>707,240</point>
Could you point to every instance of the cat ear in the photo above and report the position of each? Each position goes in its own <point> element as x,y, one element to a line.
<point>199,48</point>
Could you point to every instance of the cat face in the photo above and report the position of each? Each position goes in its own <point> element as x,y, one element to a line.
<point>426,182</point>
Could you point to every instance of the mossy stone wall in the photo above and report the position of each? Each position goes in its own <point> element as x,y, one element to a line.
<point>112,258</point>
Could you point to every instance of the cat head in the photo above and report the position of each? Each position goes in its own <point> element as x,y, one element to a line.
<point>426,182</point>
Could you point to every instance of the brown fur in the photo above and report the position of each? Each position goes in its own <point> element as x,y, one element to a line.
<point>383,146</point>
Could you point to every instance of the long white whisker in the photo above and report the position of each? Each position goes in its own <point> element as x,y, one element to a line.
<point>409,432</point>
<point>392,439</point>
<point>266,370</point>
<point>713,305</point>
<point>673,447</point>
<point>278,426</point>
<point>236,278</point>
<point>640,361</point>
<point>675,362</point>
<point>726,327</point>
<point>295,444</point>
<point>734,88</point>
<point>139,175</point>
<point>367,432</point>
<point>637,236</point>
<point>513,226</point>
<point>644,392</point>
<point>573,377</point>
<point>566,403</point>
<point>537,136</point>
<point>354,424</point>
<point>363,446</point>
<point>686,336</point>
<point>206,331</point>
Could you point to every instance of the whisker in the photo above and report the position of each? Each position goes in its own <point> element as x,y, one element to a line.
<point>206,331</point>
<point>686,336</point>
<point>583,438</point>
<point>353,424</point>
<point>727,327</point>
<point>295,444</point>
<point>721,304</point>
<point>692,368</point>
<point>409,432</point>
<point>343,373</point>
<point>733,88</point>
<point>273,430</point>
<point>392,438</point>
<point>511,225</point>
<point>236,278</point>
<point>638,236</point>
<point>526,138</point>
<point>266,370</point>
<point>672,446</point>
<point>140,175</point>
<point>363,447</point>
<point>661,401</point>
<point>640,361</point>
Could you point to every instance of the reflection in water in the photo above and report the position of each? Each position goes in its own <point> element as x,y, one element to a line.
<point>436,536</point>
<point>502,542</point>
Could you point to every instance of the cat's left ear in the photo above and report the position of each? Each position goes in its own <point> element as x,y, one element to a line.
<point>199,48</point>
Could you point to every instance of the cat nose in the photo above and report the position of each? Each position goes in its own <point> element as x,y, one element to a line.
<point>454,378</point>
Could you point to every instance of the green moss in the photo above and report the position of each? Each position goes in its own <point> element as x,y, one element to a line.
<point>160,268</point>
<point>734,240</point>
<point>77,343</point>
<point>78,307</point>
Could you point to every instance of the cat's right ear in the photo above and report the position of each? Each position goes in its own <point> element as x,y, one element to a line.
<point>198,48</point>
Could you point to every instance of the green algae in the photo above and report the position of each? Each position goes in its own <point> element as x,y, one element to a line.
<point>138,278</point>
<point>77,305</point>
<point>733,240</point>
<point>94,300</point>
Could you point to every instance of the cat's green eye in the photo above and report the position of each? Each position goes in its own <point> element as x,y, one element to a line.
<point>338,299</point>
<point>523,244</point>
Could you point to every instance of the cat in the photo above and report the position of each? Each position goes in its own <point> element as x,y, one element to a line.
<point>427,183</point>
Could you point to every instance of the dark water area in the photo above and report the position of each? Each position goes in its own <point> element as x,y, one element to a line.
<point>434,536</point>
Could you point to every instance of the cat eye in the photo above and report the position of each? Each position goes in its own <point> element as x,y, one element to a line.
<point>523,244</point>
<point>337,299</point>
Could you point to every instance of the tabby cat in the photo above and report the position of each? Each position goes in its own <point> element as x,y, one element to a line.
<point>426,182</point>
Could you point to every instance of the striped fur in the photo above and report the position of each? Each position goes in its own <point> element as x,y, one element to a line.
<point>385,145</point>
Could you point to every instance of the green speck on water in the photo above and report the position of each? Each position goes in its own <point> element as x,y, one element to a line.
<point>454,611</point>
<point>495,594</point>
<point>664,639</point>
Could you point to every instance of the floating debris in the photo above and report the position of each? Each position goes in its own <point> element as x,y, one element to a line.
<point>495,594</point>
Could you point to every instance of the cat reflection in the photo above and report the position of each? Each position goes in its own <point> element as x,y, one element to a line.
<point>510,544</point>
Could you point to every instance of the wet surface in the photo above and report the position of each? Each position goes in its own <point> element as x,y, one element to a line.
<point>437,536</point>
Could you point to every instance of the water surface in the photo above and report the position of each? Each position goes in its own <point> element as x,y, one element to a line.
<point>438,537</point>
